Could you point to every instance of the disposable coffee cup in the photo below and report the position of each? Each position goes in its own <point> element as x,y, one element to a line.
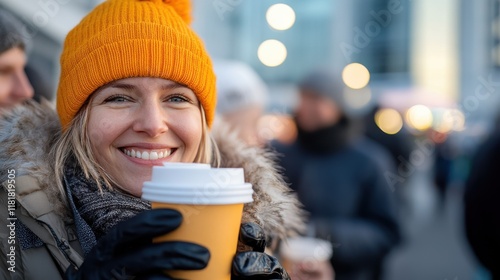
<point>211,202</point>
<point>304,251</point>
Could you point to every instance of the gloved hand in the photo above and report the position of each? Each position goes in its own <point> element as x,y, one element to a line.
<point>127,250</point>
<point>256,265</point>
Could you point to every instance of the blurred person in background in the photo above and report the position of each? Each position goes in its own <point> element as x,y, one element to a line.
<point>14,85</point>
<point>444,156</point>
<point>339,177</point>
<point>399,146</point>
<point>242,97</point>
<point>482,214</point>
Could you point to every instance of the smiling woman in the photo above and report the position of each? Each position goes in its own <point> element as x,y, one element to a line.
<point>137,89</point>
<point>148,117</point>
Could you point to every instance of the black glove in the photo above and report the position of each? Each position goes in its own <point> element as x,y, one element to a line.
<point>127,250</point>
<point>256,265</point>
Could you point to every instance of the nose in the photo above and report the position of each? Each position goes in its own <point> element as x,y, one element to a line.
<point>151,119</point>
<point>22,89</point>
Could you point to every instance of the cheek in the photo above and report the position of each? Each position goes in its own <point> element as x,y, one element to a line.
<point>324,111</point>
<point>101,130</point>
<point>329,112</point>
<point>189,131</point>
<point>4,93</point>
<point>193,134</point>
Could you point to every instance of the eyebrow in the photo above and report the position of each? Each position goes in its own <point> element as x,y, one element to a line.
<point>173,85</point>
<point>129,87</point>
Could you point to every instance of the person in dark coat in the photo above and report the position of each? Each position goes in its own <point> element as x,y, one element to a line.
<point>339,177</point>
<point>482,215</point>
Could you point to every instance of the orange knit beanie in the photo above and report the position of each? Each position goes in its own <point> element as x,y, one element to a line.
<point>133,38</point>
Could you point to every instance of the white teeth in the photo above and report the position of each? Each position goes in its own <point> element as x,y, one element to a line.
<point>153,155</point>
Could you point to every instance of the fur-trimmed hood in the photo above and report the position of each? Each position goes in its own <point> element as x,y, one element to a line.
<point>27,133</point>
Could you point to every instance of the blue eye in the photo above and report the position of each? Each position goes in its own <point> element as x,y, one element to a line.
<point>177,99</point>
<point>116,99</point>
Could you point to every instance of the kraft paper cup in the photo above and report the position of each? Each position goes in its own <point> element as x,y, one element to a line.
<point>211,202</point>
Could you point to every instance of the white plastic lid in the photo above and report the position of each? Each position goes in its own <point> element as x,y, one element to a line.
<point>197,184</point>
<point>188,174</point>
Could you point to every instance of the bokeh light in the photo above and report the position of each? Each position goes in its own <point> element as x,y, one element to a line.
<point>280,16</point>
<point>444,124</point>
<point>419,117</point>
<point>357,99</point>
<point>272,53</point>
<point>356,76</point>
<point>449,120</point>
<point>389,120</point>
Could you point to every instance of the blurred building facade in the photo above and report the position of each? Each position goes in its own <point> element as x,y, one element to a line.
<point>480,58</point>
<point>374,33</point>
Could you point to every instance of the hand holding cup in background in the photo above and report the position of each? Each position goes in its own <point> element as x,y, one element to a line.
<point>307,258</point>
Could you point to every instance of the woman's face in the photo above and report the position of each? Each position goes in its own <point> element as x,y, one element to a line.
<point>136,123</point>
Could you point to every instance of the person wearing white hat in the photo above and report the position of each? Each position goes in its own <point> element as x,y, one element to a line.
<point>242,97</point>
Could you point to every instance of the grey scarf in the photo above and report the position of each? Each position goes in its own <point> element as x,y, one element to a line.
<point>100,209</point>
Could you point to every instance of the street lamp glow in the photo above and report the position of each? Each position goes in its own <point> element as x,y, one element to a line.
<point>356,76</point>
<point>272,53</point>
<point>280,16</point>
<point>444,125</point>
<point>419,117</point>
<point>389,121</point>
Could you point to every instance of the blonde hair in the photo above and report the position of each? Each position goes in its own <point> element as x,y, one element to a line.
<point>74,143</point>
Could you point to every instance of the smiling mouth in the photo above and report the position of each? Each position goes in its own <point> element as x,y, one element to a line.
<point>148,154</point>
